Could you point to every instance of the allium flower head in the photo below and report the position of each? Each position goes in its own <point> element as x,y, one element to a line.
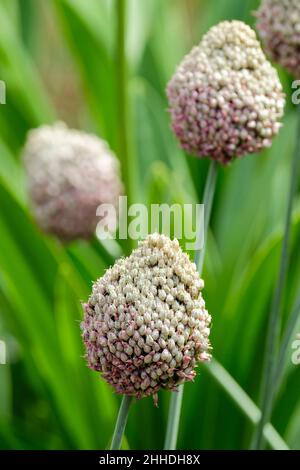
<point>69,174</point>
<point>145,325</point>
<point>279,27</point>
<point>225,97</point>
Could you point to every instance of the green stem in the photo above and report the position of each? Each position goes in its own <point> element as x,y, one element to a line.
<point>267,388</point>
<point>174,418</point>
<point>121,423</point>
<point>176,397</point>
<point>209,191</point>
<point>287,336</point>
<point>125,156</point>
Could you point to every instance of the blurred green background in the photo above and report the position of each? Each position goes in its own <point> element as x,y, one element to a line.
<point>58,60</point>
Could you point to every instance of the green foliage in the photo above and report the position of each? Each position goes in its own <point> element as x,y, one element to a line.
<point>48,397</point>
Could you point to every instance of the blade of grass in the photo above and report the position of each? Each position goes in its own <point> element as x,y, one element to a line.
<point>154,140</point>
<point>11,173</point>
<point>244,402</point>
<point>41,330</point>
<point>96,67</point>
<point>27,84</point>
<point>100,248</point>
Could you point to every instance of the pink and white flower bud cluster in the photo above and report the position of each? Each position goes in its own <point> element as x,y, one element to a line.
<point>145,325</point>
<point>225,98</point>
<point>279,27</point>
<point>69,174</point>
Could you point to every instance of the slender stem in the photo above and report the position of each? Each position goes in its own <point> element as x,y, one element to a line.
<point>121,423</point>
<point>176,397</point>
<point>267,389</point>
<point>128,176</point>
<point>122,89</point>
<point>287,336</point>
<point>174,418</point>
<point>125,156</point>
<point>209,191</point>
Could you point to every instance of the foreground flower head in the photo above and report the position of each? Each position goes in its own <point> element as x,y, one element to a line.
<point>145,325</point>
<point>225,98</point>
<point>279,27</point>
<point>69,174</point>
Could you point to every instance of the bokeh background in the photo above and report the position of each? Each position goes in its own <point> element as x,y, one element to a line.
<point>58,59</point>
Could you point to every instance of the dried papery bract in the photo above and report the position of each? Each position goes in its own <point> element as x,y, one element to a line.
<point>225,98</point>
<point>69,174</point>
<point>145,325</point>
<point>278,24</point>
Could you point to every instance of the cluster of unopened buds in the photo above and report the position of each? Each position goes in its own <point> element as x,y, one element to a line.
<point>69,174</point>
<point>225,98</point>
<point>278,23</point>
<point>145,325</point>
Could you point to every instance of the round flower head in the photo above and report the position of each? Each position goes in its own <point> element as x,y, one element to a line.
<point>279,27</point>
<point>225,97</point>
<point>70,173</point>
<point>145,325</point>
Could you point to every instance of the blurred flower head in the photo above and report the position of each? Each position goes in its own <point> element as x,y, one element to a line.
<point>225,98</point>
<point>145,325</point>
<point>279,27</point>
<point>69,173</point>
